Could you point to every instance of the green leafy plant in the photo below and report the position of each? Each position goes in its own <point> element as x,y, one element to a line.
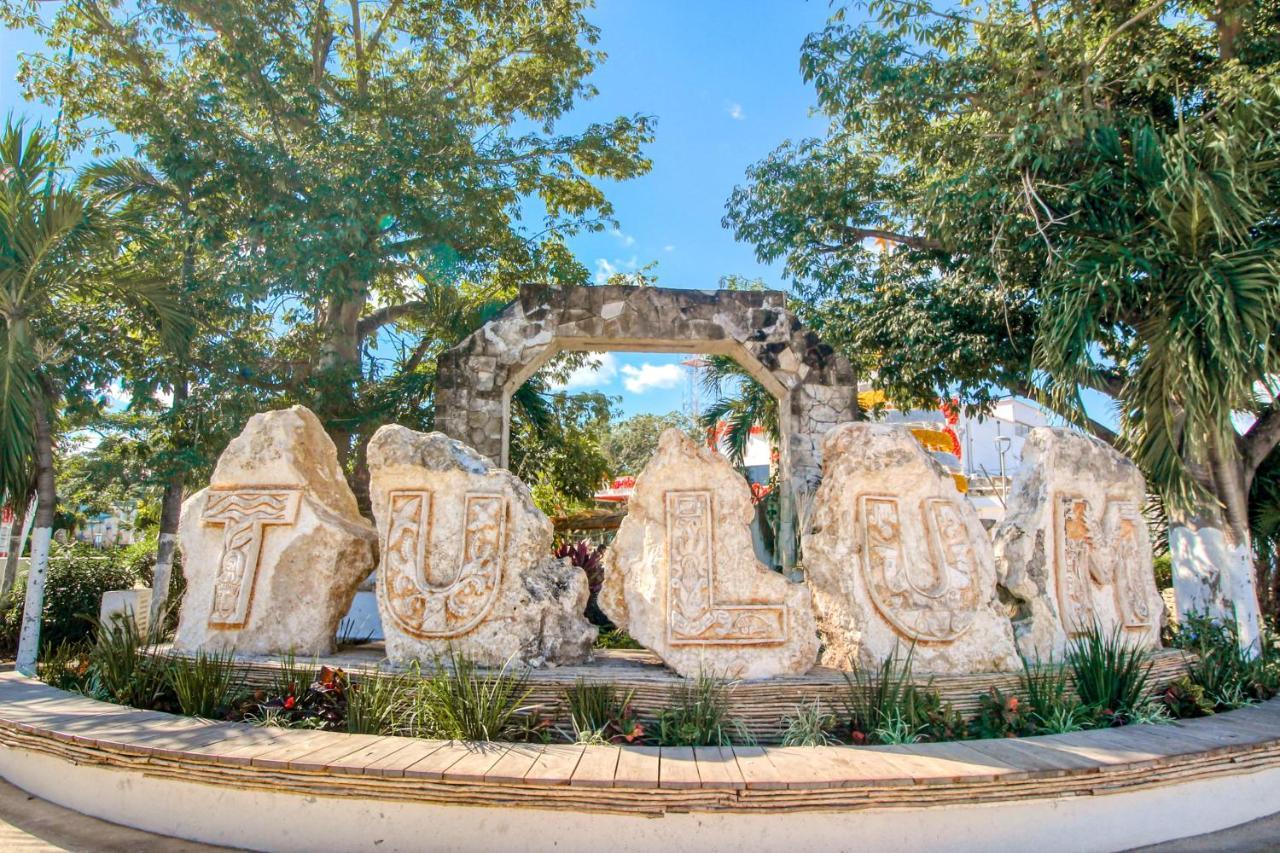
<point>1185,698</point>
<point>291,678</point>
<point>598,713</point>
<point>125,669</point>
<point>590,558</point>
<point>887,704</point>
<point>321,704</point>
<point>65,666</point>
<point>461,703</point>
<point>699,716</point>
<point>1053,705</point>
<point>616,638</point>
<point>810,725</point>
<point>1002,715</point>
<point>206,684</point>
<point>1227,675</point>
<point>375,702</point>
<point>1110,674</point>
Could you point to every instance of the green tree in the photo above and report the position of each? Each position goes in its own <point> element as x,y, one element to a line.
<point>1055,199</point>
<point>376,151</point>
<point>67,293</point>
<point>629,444</point>
<point>555,445</point>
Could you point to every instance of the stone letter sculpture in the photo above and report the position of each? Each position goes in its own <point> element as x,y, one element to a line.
<point>274,548</point>
<point>1073,549</point>
<point>682,577</point>
<point>897,558</point>
<point>466,559</point>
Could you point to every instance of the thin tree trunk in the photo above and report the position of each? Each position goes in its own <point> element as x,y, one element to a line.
<point>46,504</point>
<point>17,544</point>
<point>170,516</point>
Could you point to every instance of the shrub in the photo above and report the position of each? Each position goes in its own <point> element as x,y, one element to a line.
<point>1226,676</point>
<point>78,576</point>
<point>65,666</point>
<point>616,638</point>
<point>589,558</point>
<point>125,669</point>
<point>1184,698</point>
<point>887,708</point>
<point>1110,674</point>
<point>459,703</point>
<point>598,713</point>
<point>205,685</point>
<point>375,703</point>
<point>322,704</point>
<point>808,726</point>
<point>1053,705</point>
<point>699,716</point>
<point>1002,716</point>
<point>1163,568</point>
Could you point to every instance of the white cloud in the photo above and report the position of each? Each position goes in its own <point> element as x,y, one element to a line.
<point>735,111</point>
<point>599,370</point>
<point>606,268</point>
<point>648,377</point>
<point>624,239</point>
<point>668,248</point>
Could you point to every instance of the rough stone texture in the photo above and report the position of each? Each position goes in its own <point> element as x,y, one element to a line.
<point>682,578</point>
<point>1073,548</point>
<point>815,385</point>
<point>896,556</point>
<point>466,559</point>
<point>274,548</point>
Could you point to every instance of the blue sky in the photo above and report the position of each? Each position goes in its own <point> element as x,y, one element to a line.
<point>723,80</point>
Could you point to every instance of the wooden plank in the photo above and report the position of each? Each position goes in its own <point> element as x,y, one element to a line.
<point>677,768</point>
<point>718,768</point>
<point>756,768</point>
<point>295,746</point>
<point>596,768</point>
<point>342,745</point>
<point>638,767</point>
<point>555,765</point>
<point>511,768</point>
<point>475,765</point>
<point>434,764</point>
<point>372,759</point>
<point>395,762</point>
<point>1035,755</point>
<point>957,761</point>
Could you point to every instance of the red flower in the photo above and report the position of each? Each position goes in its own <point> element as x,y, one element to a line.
<point>289,702</point>
<point>858,738</point>
<point>1013,704</point>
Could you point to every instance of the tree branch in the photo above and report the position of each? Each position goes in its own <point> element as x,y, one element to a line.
<point>388,314</point>
<point>1260,439</point>
<point>859,234</point>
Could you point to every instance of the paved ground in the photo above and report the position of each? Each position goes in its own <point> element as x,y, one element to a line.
<point>1257,835</point>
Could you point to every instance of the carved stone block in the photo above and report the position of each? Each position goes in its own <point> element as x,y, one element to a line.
<point>274,548</point>
<point>466,559</point>
<point>1073,549</point>
<point>682,577</point>
<point>898,560</point>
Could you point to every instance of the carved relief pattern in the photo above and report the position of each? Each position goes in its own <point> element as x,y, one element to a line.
<point>694,617</point>
<point>243,513</point>
<point>421,606</point>
<point>1126,529</point>
<point>934,601</point>
<point>1076,566</point>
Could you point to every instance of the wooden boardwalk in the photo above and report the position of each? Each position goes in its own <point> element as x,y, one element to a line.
<point>637,780</point>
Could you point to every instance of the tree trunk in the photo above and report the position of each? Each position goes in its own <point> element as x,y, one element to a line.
<point>170,516</point>
<point>339,369</point>
<point>46,504</point>
<point>17,544</point>
<point>1213,571</point>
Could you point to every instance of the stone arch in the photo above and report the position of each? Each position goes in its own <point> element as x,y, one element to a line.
<point>816,387</point>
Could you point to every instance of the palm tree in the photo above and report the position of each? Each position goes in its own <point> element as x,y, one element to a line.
<point>741,404</point>
<point>58,249</point>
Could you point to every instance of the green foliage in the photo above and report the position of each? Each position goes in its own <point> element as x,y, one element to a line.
<point>65,666</point>
<point>376,702</point>
<point>809,725</point>
<point>629,444</point>
<point>699,716</point>
<point>1110,674</point>
<point>598,713</point>
<point>1054,706</point>
<point>1163,567</point>
<point>206,684</point>
<point>460,703</point>
<point>740,403</point>
<point>124,668</point>
<point>887,704</point>
<point>616,638</point>
<point>561,455</point>
<point>1001,715</point>
<point>291,678</point>
<point>1221,675</point>
<point>78,575</point>
<point>1185,698</point>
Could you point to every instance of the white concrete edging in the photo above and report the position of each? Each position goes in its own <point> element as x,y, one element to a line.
<point>277,821</point>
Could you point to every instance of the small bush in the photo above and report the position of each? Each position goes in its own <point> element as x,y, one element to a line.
<point>589,558</point>
<point>887,708</point>
<point>125,669</point>
<point>1110,674</point>
<point>375,705</point>
<point>1053,705</point>
<point>615,638</point>
<point>1163,567</point>
<point>459,703</point>
<point>1002,715</point>
<point>65,666</point>
<point>809,726</point>
<point>699,716</point>
<point>205,685</point>
<point>78,576</point>
<point>598,713</point>
<point>321,704</point>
